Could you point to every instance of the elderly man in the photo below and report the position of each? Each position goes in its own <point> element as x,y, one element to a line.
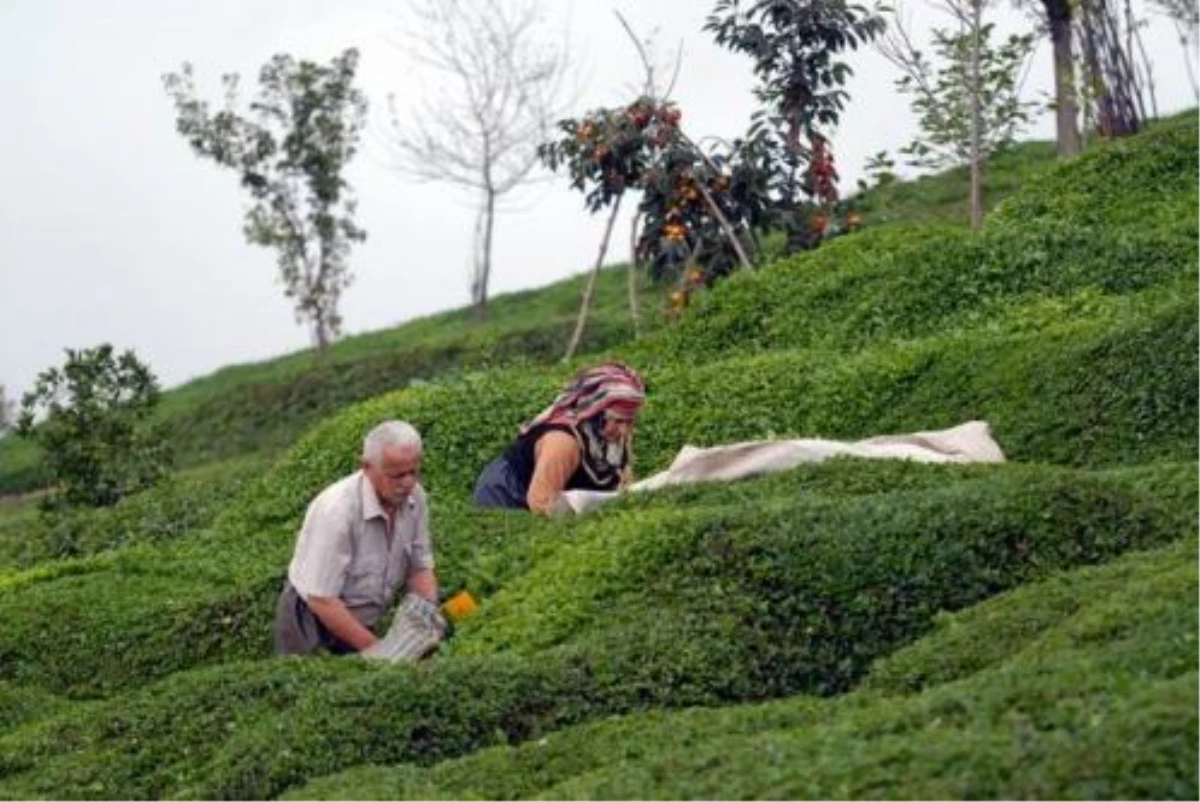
<point>362,537</point>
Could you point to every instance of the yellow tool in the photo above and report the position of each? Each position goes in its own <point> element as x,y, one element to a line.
<point>460,605</point>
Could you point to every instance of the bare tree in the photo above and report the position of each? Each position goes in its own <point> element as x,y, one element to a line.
<point>503,84</point>
<point>1185,15</point>
<point>1108,67</point>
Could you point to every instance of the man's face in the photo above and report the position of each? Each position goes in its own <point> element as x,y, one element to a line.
<point>396,474</point>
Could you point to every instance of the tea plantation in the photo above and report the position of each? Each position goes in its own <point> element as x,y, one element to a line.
<point>855,629</point>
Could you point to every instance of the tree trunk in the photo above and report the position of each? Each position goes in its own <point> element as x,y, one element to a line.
<point>723,221</point>
<point>320,331</point>
<point>485,265</point>
<point>1058,14</point>
<point>590,287</point>
<point>633,269</point>
<point>976,91</point>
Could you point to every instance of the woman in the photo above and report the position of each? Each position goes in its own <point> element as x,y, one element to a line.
<point>579,442</point>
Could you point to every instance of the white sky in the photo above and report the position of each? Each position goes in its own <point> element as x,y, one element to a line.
<point>112,231</point>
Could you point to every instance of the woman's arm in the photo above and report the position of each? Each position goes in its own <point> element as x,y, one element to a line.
<point>556,458</point>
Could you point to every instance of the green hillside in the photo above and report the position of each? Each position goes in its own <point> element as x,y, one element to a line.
<point>857,628</point>
<point>263,408</point>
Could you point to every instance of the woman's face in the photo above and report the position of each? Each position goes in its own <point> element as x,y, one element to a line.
<point>617,426</point>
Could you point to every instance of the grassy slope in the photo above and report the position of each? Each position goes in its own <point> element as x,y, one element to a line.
<point>264,407</point>
<point>757,590</point>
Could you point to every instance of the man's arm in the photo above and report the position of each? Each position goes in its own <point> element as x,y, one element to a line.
<point>421,579</point>
<point>334,614</point>
<point>424,584</point>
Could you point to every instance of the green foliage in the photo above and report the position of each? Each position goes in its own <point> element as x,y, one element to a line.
<point>933,609</point>
<point>20,703</point>
<point>21,465</point>
<point>893,284</point>
<point>179,505</point>
<point>795,49</point>
<point>941,96</point>
<point>1038,717</point>
<point>290,153</point>
<point>89,420</point>
<point>1147,181</point>
<point>252,730</point>
<point>941,197</point>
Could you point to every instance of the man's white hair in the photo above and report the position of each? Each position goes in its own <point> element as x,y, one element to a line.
<point>386,435</point>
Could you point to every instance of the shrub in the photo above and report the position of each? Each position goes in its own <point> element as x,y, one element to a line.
<point>90,426</point>
<point>178,506</point>
<point>1036,716</point>
<point>732,604</point>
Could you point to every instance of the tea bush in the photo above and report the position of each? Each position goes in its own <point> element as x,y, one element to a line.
<point>183,503</point>
<point>1086,394</point>
<point>1033,716</point>
<point>710,606</point>
<point>841,579</point>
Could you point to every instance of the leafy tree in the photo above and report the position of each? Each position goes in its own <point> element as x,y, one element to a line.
<point>90,419</point>
<point>968,102</point>
<point>795,46</point>
<point>481,131</point>
<point>290,152</point>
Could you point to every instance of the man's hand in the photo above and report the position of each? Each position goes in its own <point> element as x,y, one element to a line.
<point>333,613</point>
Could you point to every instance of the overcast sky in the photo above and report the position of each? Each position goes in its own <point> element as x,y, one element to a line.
<point>112,231</point>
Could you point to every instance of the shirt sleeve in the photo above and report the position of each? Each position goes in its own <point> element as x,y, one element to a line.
<point>422,547</point>
<point>323,550</point>
<point>556,457</point>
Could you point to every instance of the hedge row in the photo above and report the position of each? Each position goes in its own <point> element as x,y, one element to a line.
<point>1119,219</point>
<point>1106,391</point>
<point>1147,181</point>
<point>1116,387</point>
<point>254,416</point>
<point>897,284</point>
<point>1029,714</point>
<point>740,605</point>
<point>184,503</point>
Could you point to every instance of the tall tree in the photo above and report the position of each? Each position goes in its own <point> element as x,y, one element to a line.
<point>504,80</point>
<point>1113,90</point>
<point>968,102</point>
<point>290,150</point>
<point>1066,93</point>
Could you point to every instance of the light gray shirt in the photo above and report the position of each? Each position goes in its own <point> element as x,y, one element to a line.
<point>343,549</point>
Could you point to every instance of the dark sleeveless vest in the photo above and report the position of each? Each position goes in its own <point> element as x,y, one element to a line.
<point>505,482</point>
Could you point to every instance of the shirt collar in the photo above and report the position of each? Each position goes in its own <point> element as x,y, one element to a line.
<point>371,508</point>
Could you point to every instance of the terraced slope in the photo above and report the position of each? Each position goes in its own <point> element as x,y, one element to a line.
<point>856,628</point>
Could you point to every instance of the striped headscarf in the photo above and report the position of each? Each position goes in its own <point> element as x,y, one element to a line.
<point>611,385</point>
<point>581,406</point>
